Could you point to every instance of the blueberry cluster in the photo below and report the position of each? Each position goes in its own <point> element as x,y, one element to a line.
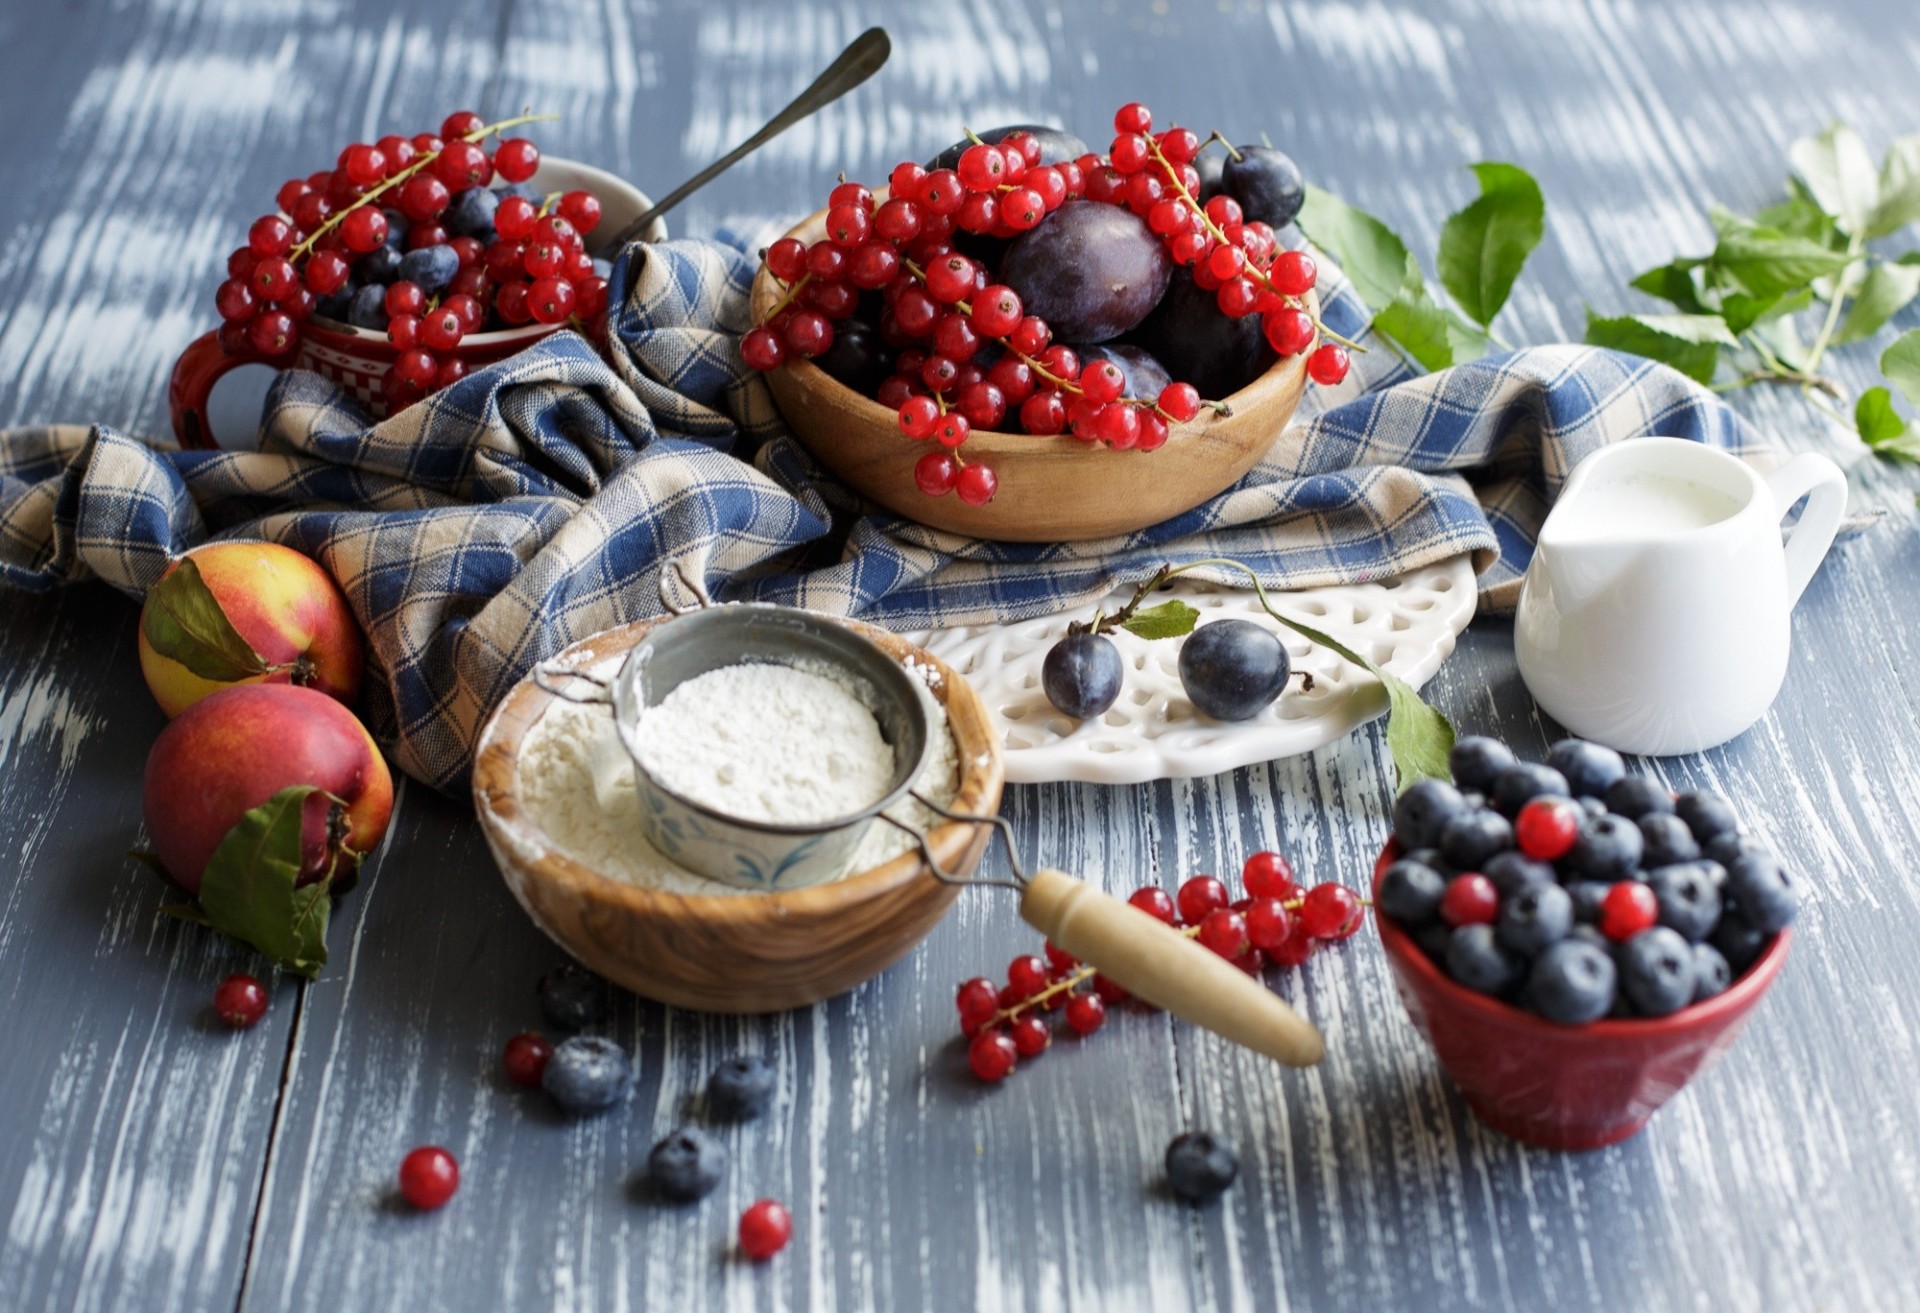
<point>1576,890</point>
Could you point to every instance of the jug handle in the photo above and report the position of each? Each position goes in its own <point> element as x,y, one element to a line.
<point>1813,476</point>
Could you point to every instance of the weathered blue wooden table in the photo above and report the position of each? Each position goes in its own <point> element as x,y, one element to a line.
<point>151,1160</point>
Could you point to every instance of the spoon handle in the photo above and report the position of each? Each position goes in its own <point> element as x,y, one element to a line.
<point>858,62</point>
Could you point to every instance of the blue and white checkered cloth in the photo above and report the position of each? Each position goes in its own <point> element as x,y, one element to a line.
<point>539,500</point>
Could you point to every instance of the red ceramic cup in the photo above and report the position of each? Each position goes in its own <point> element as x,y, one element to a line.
<point>358,359</point>
<point>1564,1087</point>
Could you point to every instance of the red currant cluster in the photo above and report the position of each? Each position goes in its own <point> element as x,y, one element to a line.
<point>341,247</point>
<point>1240,262</point>
<point>1276,922</point>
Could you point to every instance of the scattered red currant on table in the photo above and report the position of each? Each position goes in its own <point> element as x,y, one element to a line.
<point>241,1001</point>
<point>1275,922</point>
<point>429,1176</point>
<point>765,1229</point>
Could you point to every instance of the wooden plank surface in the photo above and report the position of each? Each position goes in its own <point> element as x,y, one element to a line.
<point>149,1160</point>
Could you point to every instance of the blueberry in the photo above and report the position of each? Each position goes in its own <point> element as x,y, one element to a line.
<point>1657,972</point>
<point>1477,760</point>
<point>380,265</point>
<point>335,305</point>
<point>1609,848</point>
<point>1231,669</point>
<point>1433,939</point>
<point>470,212</point>
<point>1666,841</point>
<point>602,268</point>
<point>1711,974</point>
<point>432,267</point>
<point>1737,938</point>
<point>740,1089</point>
<point>1422,811</point>
<point>1513,871</point>
<point>1590,769</point>
<point>368,309</point>
<point>1593,806</point>
<point>1518,785</point>
<point>572,997</point>
<point>1587,896</point>
<point>587,1073</point>
<point>1767,896</point>
<point>1081,675</point>
<point>397,225</point>
<point>1410,892</point>
<point>526,191</point>
<point>1689,898</point>
<point>1725,847</point>
<point>1478,960</point>
<point>687,1165</point>
<point>1585,933</point>
<point>1200,1165</point>
<point>1572,982</point>
<point>1534,918</point>
<point>1637,796</point>
<point>1430,857</point>
<point>1471,838</point>
<point>1708,815</point>
<point>1474,800</point>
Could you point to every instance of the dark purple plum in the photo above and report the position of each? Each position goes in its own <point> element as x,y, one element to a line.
<point>1145,376</point>
<point>1267,184</point>
<point>1091,271</point>
<point>1056,144</point>
<point>857,357</point>
<point>1197,344</point>
<point>1210,164</point>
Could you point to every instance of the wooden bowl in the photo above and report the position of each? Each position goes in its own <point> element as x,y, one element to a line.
<point>1052,489</point>
<point>732,952</point>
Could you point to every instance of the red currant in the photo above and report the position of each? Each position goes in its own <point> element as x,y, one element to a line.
<point>1328,364</point>
<point>1030,1036</point>
<point>976,485</point>
<point>1327,909</point>
<point>992,1055</point>
<point>1153,432</point>
<point>982,167</point>
<point>1269,875</point>
<point>551,299</point>
<point>415,369</point>
<point>326,272</point>
<point>1118,425</point>
<point>241,1001</point>
<point>405,298</point>
<point>1050,184</point>
<point>1198,896</point>
<point>1022,208</point>
<point>467,307</point>
<point>429,1176</point>
<point>364,164</point>
<point>515,159</point>
<point>1128,153</point>
<point>423,197</point>
<point>1027,975</point>
<point>1085,1013</point>
<point>1103,381</point>
<point>511,302</point>
<point>952,430</point>
<point>290,193</point>
<point>235,301</point>
<point>1288,331</point>
<point>460,123</point>
<point>979,212</point>
<point>906,180</point>
<point>1061,361</point>
<point>983,405</point>
<point>848,226</point>
<point>1133,117</point>
<point>398,151</point>
<point>423,235</point>
<point>270,235</point>
<point>525,1058</point>
<point>1013,376</point>
<point>1628,908</point>
<point>364,229</point>
<point>404,331</point>
<point>1190,248</point>
<point>442,330</point>
<point>1469,899</point>
<point>834,300</point>
<point>1226,262</point>
<point>1547,828</point>
<point>1154,901</point>
<point>1225,932</point>
<point>1043,414</point>
<point>273,333</point>
<point>579,208</point>
<point>1179,145</point>
<point>1293,273</point>
<point>463,164</point>
<point>1109,992</point>
<point>765,1229</point>
<point>1237,297</point>
<point>1031,336</point>
<point>1268,924</point>
<point>997,310</point>
<point>955,337</point>
<point>935,473</point>
<point>786,258</point>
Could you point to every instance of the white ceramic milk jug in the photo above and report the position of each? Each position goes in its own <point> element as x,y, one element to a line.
<point>1655,615</point>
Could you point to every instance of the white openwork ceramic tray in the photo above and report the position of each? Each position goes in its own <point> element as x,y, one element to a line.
<point>1407,624</point>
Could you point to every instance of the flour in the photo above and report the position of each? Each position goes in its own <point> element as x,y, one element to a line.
<point>767,742</point>
<point>576,782</point>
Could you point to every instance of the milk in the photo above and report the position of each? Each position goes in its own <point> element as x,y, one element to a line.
<point>1647,503</point>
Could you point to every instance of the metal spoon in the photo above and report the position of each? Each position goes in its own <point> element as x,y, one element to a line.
<point>858,62</point>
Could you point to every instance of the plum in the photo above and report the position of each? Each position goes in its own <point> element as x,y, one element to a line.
<point>1210,165</point>
<point>857,358</point>
<point>1056,144</point>
<point>1267,184</point>
<point>1092,271</point>
<point>1145,376</point>
<point>1198,344</point>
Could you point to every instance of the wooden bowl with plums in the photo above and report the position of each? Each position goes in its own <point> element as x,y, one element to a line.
<point>1056,488</point>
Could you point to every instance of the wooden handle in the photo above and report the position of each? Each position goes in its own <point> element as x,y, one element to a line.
<point>1150,958</point>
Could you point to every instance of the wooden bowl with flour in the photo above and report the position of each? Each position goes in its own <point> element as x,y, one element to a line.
<point>673,936</point>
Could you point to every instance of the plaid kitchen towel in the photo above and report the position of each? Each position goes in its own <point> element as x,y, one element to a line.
<point>539,500</point>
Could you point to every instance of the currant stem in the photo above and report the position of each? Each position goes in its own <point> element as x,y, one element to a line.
<point>786,297</point>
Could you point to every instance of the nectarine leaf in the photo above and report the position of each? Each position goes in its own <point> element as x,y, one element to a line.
<point>249,888</point>
<point>183,622</point>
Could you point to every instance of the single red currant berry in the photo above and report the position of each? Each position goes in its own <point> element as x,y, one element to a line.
<point>326,272</point>
<point>982,404</point>
<point>1030,1036</point>
<point>1059,960</point>
<point>551,300</point>
<point>272,278</point>
<point>952,430</point>
<point>826,261</point>
<point>1237,297</point>
<point>429,1176</point>
<point>398,151</point>
<point>1190,248</point>
<point>442,330</point>
<point>1198,896</point>
<point>895,390</point>
<point>270,235</point>
<point>467,250</point>
<point>1328,364</point>
<point>1293,273</point>
<point>1327,909</point>
<point>516,159</point>
<point>425,143</point>
<point>1469,899</point>
<point>1179,145</point>
<point>424,197</point>
<point>1155,902</point>
<point>1061,361</point>
<point>1180,402</point>
<point>1628,908</point>
<point>240,1001</point>
<point>1118,425</point>
<point>404,331</point>
<point>422,235</point>
<point>1103,381</point>
<point>1086,1013</point>
<point>405,298</point>
<point>834,300</point>
<point>1109,992</point>
<point>765,1229</point>
<point>1169,216</point>
<point>581,209</point>
<point>851,193</point>
<point>955,337</point>
<point>935,473</point>
<point>1547,828</point>
<point>1153,432</point>
<point>939,373</point>
<point>511,302</point>
<point>1296,948</point>
<point>982,167</point>
<point>364,164</point>
<point>1043,414</point>
<point>290,193</point>
<point>507,259</point>
<point>1128,153</point>
<point>976,999</point>
<point>364,229</point>
<point>997,311</point>
<point>467,307</point>
<point>240,263</point>
<point>297,301</point>
<point>992,1055</point>
<point>906,180</point>
<point>460,123</point>
<point>786,258</point>
<point>762,349</point>
<point>943,192</point>
<point>917,417</point>
<point>848,226</point>
<point>543,259</point>
<point>463,164</point>
<point>976,485</point>
<point>979,212</point>
<point>1269,875</point>
<point>1224,931</point>
<point>1022,208</point>
<point>1144,191</point>
<point>1288,331</point>
<point>1133,117</point>
<point>873,265</point>
<point>1268,924</point>
<point>273,333</point>
<point>1013,376</point>
<point>235,301</point>
<point>1050,184</point>
<point>525,1058</point>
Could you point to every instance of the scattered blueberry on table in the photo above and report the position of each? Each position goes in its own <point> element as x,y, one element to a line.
<point>1200,1166</point>
<point>587,1073</point>
<point>686,1165</point>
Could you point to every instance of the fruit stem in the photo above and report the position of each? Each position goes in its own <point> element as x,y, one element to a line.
<point>786,297</point>
<point>1232,154</point>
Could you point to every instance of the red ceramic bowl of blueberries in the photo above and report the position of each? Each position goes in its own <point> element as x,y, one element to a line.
<point>1576,942</point>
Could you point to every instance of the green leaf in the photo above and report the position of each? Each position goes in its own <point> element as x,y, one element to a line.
<point>1887,290</point>
<point>1838,170</point>
<point>1876,419</point>
<point>1372,256</point>
<point>1800,216</point>
<point>1766,262</point>
<point>1899,203</point>
<point>1468,339</point>
<point>1901,364</point>
<point>1742,312</point>
<point>1689,343</point>
<point>1674,284</point>
<point>1418,327</point>
<point>1483,246</point>
<point>182,620</point>
<point>247,890</point>
<point>1167,620</point>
